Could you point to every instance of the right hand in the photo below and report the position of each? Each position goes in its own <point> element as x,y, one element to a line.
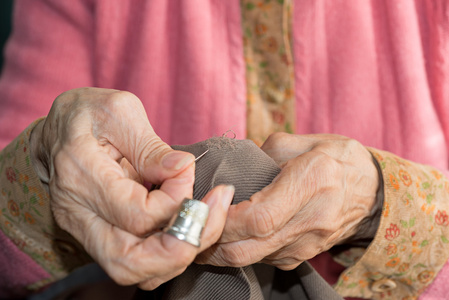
<point>93,152</point>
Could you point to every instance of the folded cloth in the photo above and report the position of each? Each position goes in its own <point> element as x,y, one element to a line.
<point>228,161</point>
<point>244,165</point>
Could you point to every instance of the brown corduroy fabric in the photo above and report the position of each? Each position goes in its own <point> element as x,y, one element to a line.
<point>230,161</point>
<point>249,169</point>
<point>244,165</point>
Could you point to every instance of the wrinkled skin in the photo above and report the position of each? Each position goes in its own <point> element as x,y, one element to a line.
<point>326,188</point>
<point>93,153</point>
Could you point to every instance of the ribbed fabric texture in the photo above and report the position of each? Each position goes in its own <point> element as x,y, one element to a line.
<point>244,165</point>
<point>208,282</point>
<point>229,161</point>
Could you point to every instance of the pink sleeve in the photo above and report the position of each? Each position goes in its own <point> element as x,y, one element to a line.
<point>50,51</point>
<point>18,269</point>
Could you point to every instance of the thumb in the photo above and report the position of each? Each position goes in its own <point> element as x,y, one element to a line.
<point>156,161</point>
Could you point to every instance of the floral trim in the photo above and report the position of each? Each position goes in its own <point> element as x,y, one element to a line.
<point>25,214</point>
<point>412,242</point>
<point>269,67</point>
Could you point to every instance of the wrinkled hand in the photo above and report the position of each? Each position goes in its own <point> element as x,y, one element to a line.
<point>326,188</point>
<point>94,151</point>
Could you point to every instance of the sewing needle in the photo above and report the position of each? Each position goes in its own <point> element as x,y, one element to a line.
<point>196,159</point>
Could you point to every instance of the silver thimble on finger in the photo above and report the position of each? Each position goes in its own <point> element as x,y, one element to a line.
<point>187,225</point>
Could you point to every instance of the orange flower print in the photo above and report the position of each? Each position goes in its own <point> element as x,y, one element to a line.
<point>441,218</point>
<point>425,276</point>
<point>270,45</point>
<point>260,29</point>
<point>13,208</point>
<point>363,283</point>
<point>29,218</point>
<point>406,281</point>
<point>403,267</point>
<point>446,186</point>
<point>288,93</point>
<point>23,178</point>
<point>392,232</point>
<point>428,208</point>
<point>420,190</point>
<point>401,162</point>
<point>386,209</point>
<point>264,6</point>
<point>391,249</point>
<point>394,182</point>
<point>250,98</point>
<point>393,262</point>
<point>10,174</point>
<point>436,174</point>
<point>378,156</point>
<point>405,177</point>
<point>50,256</point>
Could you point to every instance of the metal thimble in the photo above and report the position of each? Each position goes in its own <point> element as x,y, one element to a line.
<point>187,225</point>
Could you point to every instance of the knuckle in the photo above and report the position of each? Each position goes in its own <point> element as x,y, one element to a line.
<point>328,166</point>
<point>276,139</point>
<point>262,223</point>
<point>122,96</point>
<point>236,256</point>
<point>120,101</point>
<point>153,147</point>
<point>351,144</point>
<point>66,97</point>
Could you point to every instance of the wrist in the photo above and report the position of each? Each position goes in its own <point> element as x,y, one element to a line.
<point>368,226</point>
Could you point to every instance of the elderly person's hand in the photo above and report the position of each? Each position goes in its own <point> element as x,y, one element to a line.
<point>94,152</point>
<point>326,188</point>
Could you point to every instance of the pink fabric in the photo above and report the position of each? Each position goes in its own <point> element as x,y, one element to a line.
<point>438,289</point>
<point>376,71</point>
<point>19,269</point>
<point>184,63</point>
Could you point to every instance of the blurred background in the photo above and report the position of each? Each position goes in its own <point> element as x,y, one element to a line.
<point>5,25</point>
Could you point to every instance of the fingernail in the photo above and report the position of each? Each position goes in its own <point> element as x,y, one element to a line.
<point>228,195</point>
<point>176,160</point>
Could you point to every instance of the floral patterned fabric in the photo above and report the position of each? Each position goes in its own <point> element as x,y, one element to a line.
<point>412,242</point>
<point>26,218</point>
<point>269,68</point>
<point>410,247</point>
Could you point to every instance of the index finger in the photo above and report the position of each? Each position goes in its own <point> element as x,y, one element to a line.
<point>129,259</point>
<point>113,196</point>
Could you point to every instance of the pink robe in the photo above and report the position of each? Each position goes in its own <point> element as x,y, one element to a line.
<point>375,71</point>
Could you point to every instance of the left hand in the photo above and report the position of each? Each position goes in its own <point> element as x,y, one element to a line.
<point>326,187</point>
